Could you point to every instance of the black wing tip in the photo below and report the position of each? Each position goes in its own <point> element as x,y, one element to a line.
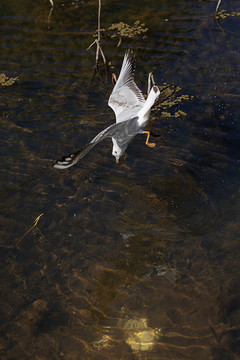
<point>64,163</point>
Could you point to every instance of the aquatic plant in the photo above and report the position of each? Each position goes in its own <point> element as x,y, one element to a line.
<point>5,81</point>
<point>170,99</point>
<point>123,30</point>
<point>223,14</point>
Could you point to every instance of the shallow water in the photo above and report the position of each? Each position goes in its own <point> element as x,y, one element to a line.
<point>131,261</point>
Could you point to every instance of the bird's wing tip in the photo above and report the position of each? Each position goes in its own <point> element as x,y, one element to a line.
<point>65,162</point>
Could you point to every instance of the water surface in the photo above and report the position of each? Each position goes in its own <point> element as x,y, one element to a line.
<point>131,261</point>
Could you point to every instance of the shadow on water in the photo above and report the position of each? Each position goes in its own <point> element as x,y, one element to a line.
<point>131,261</point>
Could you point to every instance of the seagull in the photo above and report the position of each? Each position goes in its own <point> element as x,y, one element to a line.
<point>132,112</point>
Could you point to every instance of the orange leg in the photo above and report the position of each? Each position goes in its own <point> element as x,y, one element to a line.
<point>147,142</point>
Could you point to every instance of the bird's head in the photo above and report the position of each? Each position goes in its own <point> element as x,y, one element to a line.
<point>117,151</point>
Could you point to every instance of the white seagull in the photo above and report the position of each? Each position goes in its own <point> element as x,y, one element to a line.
<point>132,113</point>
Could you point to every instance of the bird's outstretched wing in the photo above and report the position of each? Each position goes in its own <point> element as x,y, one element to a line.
<point>126,98</point>
<point>111,131</point>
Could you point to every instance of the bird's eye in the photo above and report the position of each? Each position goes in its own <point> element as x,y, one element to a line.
<point>115,152</point>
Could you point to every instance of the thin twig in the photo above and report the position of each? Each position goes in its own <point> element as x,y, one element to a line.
<point>34,225</point>
<point>50,11</point>
<point>97,41</point>
<point>99,21</point>
<point>150,82</point>
<point>50,14</point>
<point>217,8</point>
<point>91,45</point>
<point>103,56</point>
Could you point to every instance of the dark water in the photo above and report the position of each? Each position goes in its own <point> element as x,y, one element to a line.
<point>132,261</point>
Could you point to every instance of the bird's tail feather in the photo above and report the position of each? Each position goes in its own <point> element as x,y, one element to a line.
<point>152,97</point>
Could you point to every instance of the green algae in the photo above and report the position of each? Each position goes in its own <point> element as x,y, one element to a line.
<point>6,81</point>
<point>122,30</point>
<point>172,99</point>
<point>223,14</point>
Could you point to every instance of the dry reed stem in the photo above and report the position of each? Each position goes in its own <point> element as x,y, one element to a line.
<point>97,41</point>
<point>217,7</point>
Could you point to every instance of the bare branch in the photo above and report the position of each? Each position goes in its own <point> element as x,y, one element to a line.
<point>218,5</point>
<point>91,45</point>
<point>97,41</point>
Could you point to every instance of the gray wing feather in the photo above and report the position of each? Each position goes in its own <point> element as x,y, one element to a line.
<point>114,130</point>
